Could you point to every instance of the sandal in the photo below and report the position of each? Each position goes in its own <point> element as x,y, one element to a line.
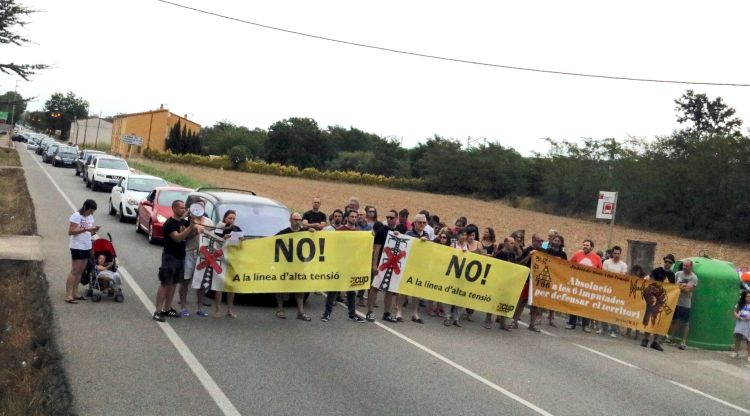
<point>71,301</point>
<point>231,315</point>
<point>304,316</point>
<point>281,314</point>
<point>79,298</point>
<point>417,320</point>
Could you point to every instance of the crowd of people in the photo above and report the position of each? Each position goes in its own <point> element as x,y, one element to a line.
<point>182,234</point>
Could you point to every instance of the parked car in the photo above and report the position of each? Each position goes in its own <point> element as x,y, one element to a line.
<point>83,158</point>
<point>90,160</point>
<point>33,144</point>
<point>125,196</point>
<point>106,172</point>
<point>154,210</point>
<point>49,152</point>
<point>65,156</point>
<point>44,143</point>
<point>19,138</point>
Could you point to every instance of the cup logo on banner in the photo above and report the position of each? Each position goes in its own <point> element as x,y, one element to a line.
<point>392,263</point>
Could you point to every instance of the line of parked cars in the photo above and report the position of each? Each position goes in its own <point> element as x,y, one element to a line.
<point>147,200</point>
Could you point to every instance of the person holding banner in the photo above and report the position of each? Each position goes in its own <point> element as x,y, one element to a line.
<point>419,222</point>
<point>557,249</point>
<point>224,229</point>
<point>461,244</point>
<point>350,224</point>
<point>295,225</point>
<point>587,257</point>
<point>508,252</point>
<point>201,225</point>
<point>381,236</point>
<point>615,265</point>
<point>535,314</point>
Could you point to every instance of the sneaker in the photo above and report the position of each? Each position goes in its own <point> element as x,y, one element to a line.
<point>202,313</point>
<point>389,318</point>
<point>370,317</point>
<point>185,313</point>
<point>681,346</point>
<point>172,313</point>
<point>325,318</point>
<point>569,326</point>
<point>534,328</point>
<point>734,354</point>
<point>644,342</point>
<point>599,331</point>
<point>613,335</point>
<point>356,318</point>
<point>586,329</point>
<point>158,317</point>
<point>656,346</point>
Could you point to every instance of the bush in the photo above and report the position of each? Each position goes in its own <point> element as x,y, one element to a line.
<point>238,156</point>
<point>277,169</point>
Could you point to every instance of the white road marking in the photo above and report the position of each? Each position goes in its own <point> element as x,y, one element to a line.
<point>708,396</point>
<point>213,389</point>
<point>617,360</point>
<point>458,367</point>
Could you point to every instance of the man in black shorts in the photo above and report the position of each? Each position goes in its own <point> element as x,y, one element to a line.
<point>176,230</point>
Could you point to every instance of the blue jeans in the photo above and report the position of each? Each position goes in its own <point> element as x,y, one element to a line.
<point>331,298</point>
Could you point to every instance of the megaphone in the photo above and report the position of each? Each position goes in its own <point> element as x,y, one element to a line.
<point>197,210</point>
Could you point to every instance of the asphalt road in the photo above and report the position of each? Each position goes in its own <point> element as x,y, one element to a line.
<point>120,362</point>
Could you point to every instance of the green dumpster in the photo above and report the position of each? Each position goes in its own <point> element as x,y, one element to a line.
<point>714,299</point>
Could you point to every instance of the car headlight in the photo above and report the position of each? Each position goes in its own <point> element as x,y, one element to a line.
<point>57,158</point>
<point>132,201</point>
<point>98,175</point>
<point>160,218</point>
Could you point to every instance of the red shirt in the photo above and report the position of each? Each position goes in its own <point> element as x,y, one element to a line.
<point>591,259</point>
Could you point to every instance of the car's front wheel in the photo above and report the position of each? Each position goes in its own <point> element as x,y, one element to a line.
<point>151,238</point>
<point>94,185</point>
<point>123,218</point>
<point>112,210</point>
<point>138,223</point>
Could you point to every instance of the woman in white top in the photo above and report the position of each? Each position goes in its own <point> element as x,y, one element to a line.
<point>80,228</point>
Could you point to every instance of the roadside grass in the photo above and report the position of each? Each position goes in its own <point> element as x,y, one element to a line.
<point>32,377</point>
<point>9,157</point>
<point>170,175</point>
<point>104,147</point>
<point>16,207</point>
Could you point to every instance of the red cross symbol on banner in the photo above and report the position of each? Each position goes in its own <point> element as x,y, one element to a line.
<point>209,259</point>
<point>393,261</point>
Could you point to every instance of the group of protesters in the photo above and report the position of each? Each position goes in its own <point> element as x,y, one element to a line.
<point>182,236</point>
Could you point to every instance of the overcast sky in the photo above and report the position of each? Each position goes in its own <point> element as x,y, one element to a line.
<point>132,56</point>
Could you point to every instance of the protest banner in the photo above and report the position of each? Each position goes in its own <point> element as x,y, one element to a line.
<point>323,261</point>
<point>628,301</point>
<point>426,270</point>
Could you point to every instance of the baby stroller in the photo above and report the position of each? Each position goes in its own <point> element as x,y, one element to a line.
<point>106,282</point>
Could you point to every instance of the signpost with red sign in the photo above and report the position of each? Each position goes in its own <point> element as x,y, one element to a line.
<point>606,207</point>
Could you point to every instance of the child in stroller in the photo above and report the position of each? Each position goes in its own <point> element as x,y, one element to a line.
<point>103,277</point>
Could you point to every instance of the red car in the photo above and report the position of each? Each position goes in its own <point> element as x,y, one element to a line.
<point>156,208</point>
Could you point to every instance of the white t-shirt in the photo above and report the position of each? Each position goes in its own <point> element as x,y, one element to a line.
<point>81,241</point>
<point>619,267</point>
<point>430,232</point>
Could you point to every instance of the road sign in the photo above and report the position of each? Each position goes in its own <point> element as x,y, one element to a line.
<point>4,115</point>
<point>132,139</point>
<point>605,208</point>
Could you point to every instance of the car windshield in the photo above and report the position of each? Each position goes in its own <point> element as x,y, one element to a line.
<point>145,184</point>
<point>258,220</point>
<point>117,164</point>
<point>167,197</point>
<point>68,152</point>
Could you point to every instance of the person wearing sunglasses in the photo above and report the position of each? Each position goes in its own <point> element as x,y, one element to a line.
<point>392,224</point>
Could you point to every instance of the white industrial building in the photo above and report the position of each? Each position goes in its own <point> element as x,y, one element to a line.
<point>91,131</point>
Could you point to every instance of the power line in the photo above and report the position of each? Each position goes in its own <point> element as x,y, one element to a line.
<point>443,58</point>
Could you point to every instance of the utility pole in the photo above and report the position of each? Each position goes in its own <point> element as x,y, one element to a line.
<point>99,123</point>
<point>13,108</point>
<point>75,120</point>
<point>85,129</point>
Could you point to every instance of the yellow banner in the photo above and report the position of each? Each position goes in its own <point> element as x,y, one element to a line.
<point>628,301</point>
<point>427,270</point>
<point>322,261</point>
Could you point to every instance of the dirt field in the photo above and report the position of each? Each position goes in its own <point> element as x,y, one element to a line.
<point>297,193</point>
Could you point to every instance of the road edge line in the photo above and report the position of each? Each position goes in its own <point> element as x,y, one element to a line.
<point>708,396</point>
<point>212,388</point>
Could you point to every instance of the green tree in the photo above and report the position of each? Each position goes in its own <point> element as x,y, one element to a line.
<point>224,135</point>
<point>174,138</point>
<point>13,18</point>
<point>704,116</point>
<point>238,155</point>
<point>60,110</point>
<point>12,101</point>
<point>299,142</point>
<point>358,161</point>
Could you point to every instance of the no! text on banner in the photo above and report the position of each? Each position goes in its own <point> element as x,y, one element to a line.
<point>427,270</point>
<point>322,261</point>
<point>628,301</point>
